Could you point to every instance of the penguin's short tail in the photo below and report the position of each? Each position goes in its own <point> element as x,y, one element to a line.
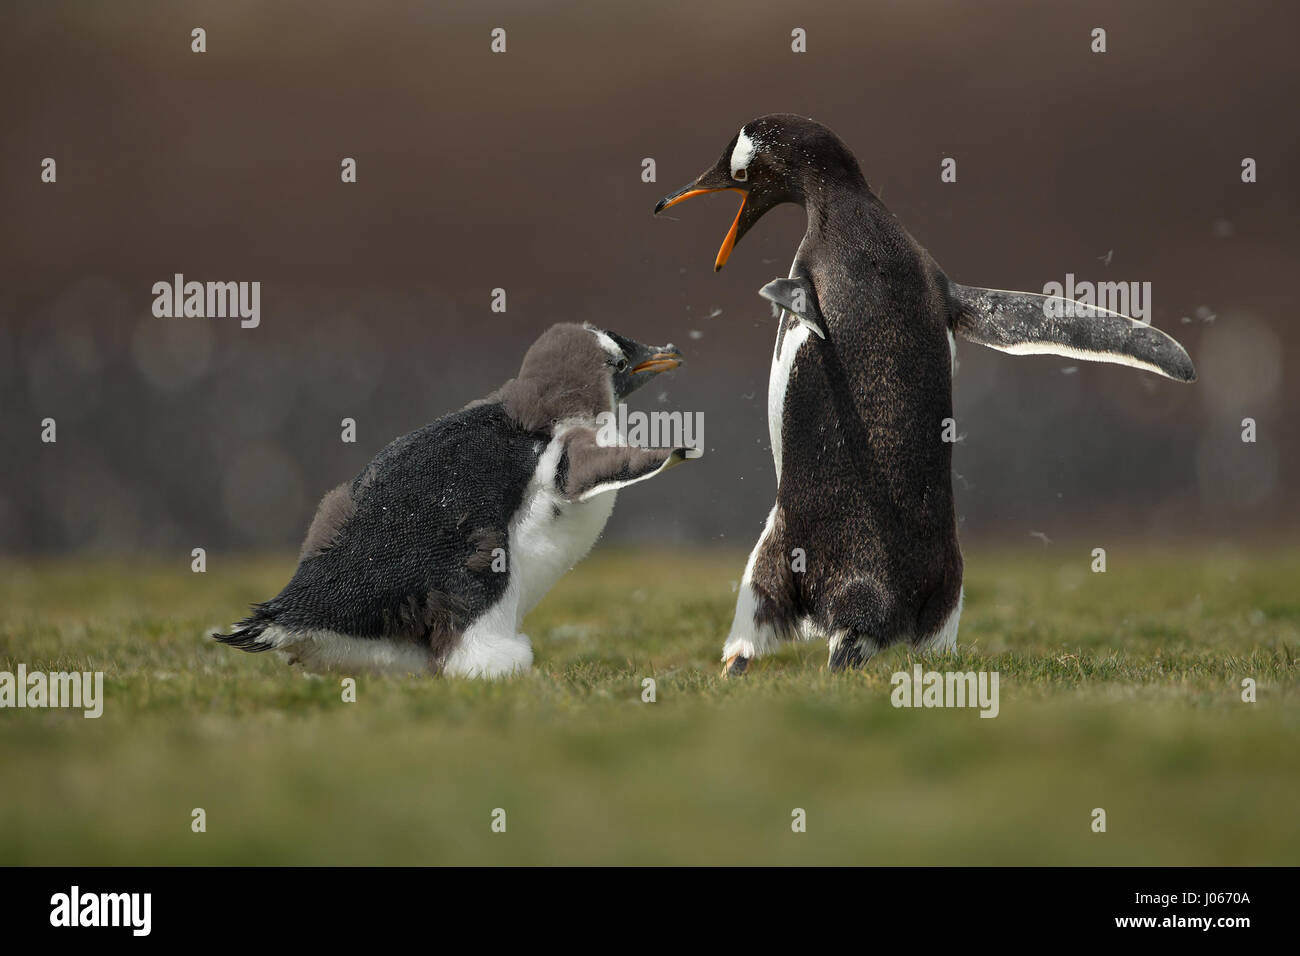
<point>247,633</point>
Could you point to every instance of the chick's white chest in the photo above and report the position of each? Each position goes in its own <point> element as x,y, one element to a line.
<point>550,535</point>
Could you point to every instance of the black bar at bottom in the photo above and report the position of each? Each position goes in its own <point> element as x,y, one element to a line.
<point>332,905</point>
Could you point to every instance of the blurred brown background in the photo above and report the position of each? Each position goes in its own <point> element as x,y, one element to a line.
<point>522,171</point>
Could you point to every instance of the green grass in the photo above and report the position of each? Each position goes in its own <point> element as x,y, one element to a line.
<point>1118,690</point>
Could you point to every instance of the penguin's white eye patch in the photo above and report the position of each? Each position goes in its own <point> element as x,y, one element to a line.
<point>609,345</point>
<point>742,155</point>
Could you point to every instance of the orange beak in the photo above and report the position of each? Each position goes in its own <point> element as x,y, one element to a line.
<point>660,362</point>
<point>729,242</point>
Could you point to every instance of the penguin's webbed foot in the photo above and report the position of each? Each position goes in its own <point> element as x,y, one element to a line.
<point>735,666</point>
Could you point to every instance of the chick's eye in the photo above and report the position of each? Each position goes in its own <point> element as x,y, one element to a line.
<point>741,174</point>
<point>622,365</point>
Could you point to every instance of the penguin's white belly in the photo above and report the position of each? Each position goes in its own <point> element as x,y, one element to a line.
<point>550,535</point>
<point>778,381</point>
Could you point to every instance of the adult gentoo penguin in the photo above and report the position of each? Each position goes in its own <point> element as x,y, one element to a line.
<point>429,559</point>
<point>860,386</point>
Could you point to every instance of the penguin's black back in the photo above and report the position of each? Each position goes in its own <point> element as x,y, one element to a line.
<point>861,430</point>
<point>414,558</point>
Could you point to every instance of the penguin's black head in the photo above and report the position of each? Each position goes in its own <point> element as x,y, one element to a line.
<point>774,159</point>
<point>632,364</point>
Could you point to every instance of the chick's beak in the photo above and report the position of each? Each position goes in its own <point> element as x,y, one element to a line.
<point>664,360</point>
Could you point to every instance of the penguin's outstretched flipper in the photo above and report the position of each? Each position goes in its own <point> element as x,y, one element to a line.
<point>587,468</point>
<point>799,298</point>
<point>1026,323</point>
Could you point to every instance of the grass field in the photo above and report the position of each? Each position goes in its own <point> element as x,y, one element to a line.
<point>1119,690</point>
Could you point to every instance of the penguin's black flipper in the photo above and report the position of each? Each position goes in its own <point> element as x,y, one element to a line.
<point>799,298</point>
<point>247,632</point>
<point>588,468</point>
<point>1026,323</point>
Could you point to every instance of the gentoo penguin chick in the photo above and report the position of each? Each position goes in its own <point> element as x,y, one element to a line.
<point>860,386</point>
<point>429,559</point>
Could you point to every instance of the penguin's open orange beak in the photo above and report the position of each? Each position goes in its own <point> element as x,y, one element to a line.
<point>729,242</point>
